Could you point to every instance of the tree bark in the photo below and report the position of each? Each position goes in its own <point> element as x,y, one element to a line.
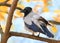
<point>9,22</point>
<point>34,37</point>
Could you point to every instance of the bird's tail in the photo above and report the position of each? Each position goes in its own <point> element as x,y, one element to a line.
<point>46,31</point>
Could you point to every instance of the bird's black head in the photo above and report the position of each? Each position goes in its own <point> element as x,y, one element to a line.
<point>26,11</point>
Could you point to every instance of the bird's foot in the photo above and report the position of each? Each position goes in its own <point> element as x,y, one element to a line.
<point>38,35</point>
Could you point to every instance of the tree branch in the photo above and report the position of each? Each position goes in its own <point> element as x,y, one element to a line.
<point>9,21</point>
<point>9,5</point>
<point>54,22</point>
<point>4,1</point>
<point>33,37</point>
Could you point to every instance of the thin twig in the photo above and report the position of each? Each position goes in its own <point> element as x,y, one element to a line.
<point>5,1</point>
<point>8,5</point>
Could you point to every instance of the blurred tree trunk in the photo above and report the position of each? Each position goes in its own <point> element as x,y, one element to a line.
<point>6,35</point>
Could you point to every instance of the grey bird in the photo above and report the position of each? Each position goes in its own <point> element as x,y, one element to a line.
<point>32,23</point>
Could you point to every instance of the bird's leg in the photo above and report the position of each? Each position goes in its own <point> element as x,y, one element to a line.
<point>38,34</point>
<point>33,33</point>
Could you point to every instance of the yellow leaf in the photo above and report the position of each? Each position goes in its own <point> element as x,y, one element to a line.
<point>57,11</point>
<point>3,8</point>
<point>3,28</point>
<point>2,0</point>
<point>10,1</point>
<point>14,17</point>
<point>45,9</point>
<point>21,6</point>
<point>36,7</point>
<point>45,2</point>
<point>28,0</point>
<point>12,27</point>
<point>56,18</point>
<point>2,16</point>
<point>54,29</point>
<point>19,14</point>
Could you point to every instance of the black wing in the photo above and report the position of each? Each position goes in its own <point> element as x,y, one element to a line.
<point>44,20</point>
<point>34,27</point>
<point>45,29</point>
